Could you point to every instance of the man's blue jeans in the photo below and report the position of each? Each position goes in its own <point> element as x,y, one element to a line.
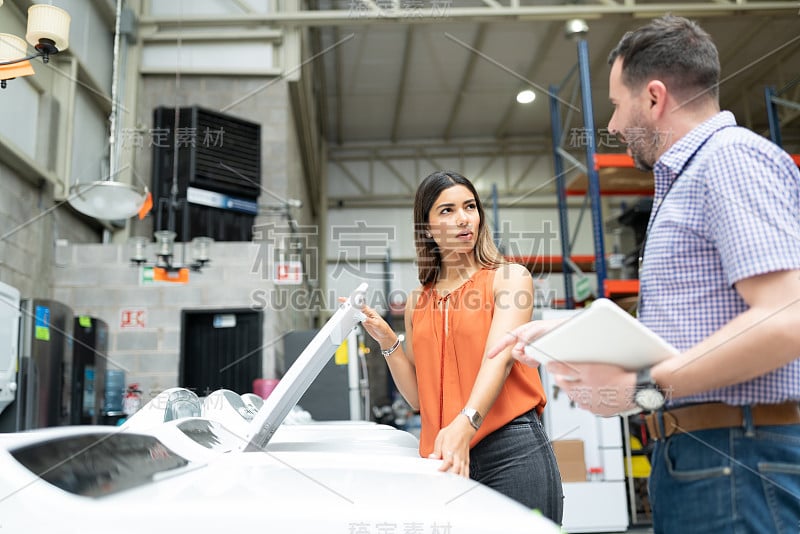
<point>727,481</point>
<point>518,461</point>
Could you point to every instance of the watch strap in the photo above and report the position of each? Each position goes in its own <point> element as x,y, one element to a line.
<point>644,378</point>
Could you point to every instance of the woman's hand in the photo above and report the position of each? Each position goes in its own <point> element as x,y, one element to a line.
<point>521,336</point>
<point>376,327</point>
<point>452,446</point>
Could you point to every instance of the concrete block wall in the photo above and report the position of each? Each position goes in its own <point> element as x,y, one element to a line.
<point>98,280</point>
<point>30,225</point>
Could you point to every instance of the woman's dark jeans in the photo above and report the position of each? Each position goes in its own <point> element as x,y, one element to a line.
<point>518,461</point>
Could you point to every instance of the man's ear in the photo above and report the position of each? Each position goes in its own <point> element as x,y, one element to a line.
<point>657,96</point>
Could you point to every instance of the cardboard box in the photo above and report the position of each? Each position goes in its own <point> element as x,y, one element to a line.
<point>571,459</point>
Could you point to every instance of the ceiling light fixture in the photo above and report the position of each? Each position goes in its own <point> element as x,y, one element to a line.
<point>48,33</point>
<point>526,96</point>
<point>575,28</point>
<point>108,199</point>
<point>165,253</point>
<point>167,268</point>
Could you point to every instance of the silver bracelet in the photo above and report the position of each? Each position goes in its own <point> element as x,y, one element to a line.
<point>388,352</point>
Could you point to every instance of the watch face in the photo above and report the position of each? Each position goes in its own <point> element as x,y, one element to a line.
<point>649,399</point>
<point>475,418</point>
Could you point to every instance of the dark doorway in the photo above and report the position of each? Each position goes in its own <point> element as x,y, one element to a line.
<point>90,358</point>
<point>220,349</point>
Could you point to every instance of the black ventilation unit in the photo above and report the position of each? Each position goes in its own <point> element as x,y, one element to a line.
<point>218,174</point>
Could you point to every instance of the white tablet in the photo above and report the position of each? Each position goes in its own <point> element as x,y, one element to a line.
<point>602,333</point>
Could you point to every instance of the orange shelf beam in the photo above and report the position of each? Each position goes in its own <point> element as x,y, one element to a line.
<point>602,161</point>
<point>612,160</point>
<point>621,287</point>
<point>618,176</point>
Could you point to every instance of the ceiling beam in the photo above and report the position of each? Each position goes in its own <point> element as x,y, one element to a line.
<point>758,69</point>
<point>321,78</point>
<point>477,44</point>
<point>431,150</point>
<point>301,105</point>
<point>351,177</point>
<point>489,162</point>
<point>424,156</point>
<point>322,83</point>
<point>524,173</point>
<point>401,87</point>
<point>337,72</point>
<point>743,41</point>
<point>345,17</point>
<point>400,178</point>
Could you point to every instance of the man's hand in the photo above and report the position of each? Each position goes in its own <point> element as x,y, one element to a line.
<point>521,336</point>
<point>603,389</point>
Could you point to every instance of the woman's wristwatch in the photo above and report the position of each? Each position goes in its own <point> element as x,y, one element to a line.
<point>474,417</point>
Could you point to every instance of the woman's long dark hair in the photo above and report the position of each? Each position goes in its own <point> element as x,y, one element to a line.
<point>429,257</point>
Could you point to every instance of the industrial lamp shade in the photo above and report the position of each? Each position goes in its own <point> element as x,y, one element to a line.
<point>106,200</point>
<point>11,47</point>
<point>49,23</point>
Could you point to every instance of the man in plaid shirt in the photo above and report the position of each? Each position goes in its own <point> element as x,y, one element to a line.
<point>719,280</point>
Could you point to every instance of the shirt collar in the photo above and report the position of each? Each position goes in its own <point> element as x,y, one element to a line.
<point>671,163</point>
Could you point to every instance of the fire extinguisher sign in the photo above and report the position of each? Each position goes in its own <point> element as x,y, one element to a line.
<point>133,318</point>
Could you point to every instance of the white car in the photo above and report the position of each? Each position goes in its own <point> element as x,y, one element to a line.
<point>179,465</point>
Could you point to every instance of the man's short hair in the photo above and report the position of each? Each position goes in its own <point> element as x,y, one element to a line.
<point>672,49</point>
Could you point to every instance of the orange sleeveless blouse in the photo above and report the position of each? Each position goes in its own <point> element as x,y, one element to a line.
<point>449,340</point>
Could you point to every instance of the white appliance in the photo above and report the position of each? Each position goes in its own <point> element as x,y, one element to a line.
<point>9,337</point>
<point>188,466</point>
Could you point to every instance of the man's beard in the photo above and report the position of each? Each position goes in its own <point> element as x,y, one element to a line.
<point>642,164</point>
<point>644,147</point>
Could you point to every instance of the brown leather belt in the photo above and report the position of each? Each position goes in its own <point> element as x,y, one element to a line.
<point>718,415</point>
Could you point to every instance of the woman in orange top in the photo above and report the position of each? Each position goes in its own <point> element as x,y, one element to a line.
<point>479,416</point>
